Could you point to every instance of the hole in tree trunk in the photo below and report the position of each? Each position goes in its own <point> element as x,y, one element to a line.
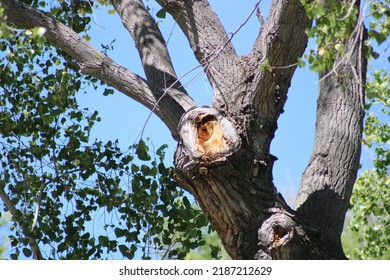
<point>279,233</point>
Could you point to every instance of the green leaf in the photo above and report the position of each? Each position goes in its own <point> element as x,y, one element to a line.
<point>378,36</point>
<point>48,118</point>
<point>160,151</point>
<point>372,94</point>
<point>142,151</point>
<point>153,171</point>
<point>27,252</point>
<point>301,62</point>
<point>103,240</point>
<point>161,14</point>
<point>134,168</point>
<point>264,66</point>
<point>126,252</point>
<point>120,232</point>
<point>108,91</point>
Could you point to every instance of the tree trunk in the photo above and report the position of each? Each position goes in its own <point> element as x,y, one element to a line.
<point>223,154</point>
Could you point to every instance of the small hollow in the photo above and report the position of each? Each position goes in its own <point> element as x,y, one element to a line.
<point>205,129</point>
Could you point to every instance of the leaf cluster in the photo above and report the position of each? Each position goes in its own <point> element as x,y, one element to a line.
<point>370,202</point>
<point>336,22</point>
<point>379,24</point>
<point>79,199</point>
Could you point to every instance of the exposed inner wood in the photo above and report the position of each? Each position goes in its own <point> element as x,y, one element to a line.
<point>211,140</point>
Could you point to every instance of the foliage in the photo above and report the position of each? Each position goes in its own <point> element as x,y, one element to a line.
<point>379,25</point>
<point>336,22</point>
<point>370,203</point>
<point>4,220</point>
<point>80,199</point>
<point>211,250</point>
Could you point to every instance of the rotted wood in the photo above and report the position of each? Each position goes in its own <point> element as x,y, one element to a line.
<point>283,237</point>
<point>206,137</point>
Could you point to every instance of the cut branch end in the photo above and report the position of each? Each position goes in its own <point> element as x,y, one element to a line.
<point>205,137</point>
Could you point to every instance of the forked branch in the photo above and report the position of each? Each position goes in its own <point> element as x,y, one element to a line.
<point>207,37</point>
<point>152,49</point>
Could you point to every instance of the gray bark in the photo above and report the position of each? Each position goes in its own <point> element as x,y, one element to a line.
<point>155,58</point>
<point>328,180</point>
<point>223,154</point>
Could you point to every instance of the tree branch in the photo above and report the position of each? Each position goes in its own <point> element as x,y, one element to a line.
<point>94,63</point>
<point>19,218</point>
<point>281,41</point>
<point>328,180</point>
<point>208,40</point>
<point>152,49</point>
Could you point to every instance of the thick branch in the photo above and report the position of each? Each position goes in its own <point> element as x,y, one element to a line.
<point>92,62</point>
<point>283,32</point>
<point>328,180</point>
<point>152,50</point>
<point>232,187</point>
<point>252,100</point>
<point>208,40</point>
<point>281,41</point>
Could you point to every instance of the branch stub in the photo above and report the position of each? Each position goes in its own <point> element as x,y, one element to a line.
<point>205,137</point>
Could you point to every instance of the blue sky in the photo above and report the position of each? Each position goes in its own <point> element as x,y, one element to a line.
<point>123,118</point>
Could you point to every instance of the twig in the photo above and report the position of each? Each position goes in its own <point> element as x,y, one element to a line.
<point>260,16</point>
<point>39,199</point>
<point>350,10</point>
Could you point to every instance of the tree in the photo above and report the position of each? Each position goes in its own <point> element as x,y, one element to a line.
<point>223,154</point>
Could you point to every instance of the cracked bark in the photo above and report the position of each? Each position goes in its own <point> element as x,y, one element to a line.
<point>223,154</point>
<point>328,180</point>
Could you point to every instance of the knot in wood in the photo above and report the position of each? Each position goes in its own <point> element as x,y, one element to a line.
<point>205,137</point>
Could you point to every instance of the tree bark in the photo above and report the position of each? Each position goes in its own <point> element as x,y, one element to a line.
<point>155,58</point>
<point>236,189</point>
<point>328,180</point>
<point>223,154</point>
